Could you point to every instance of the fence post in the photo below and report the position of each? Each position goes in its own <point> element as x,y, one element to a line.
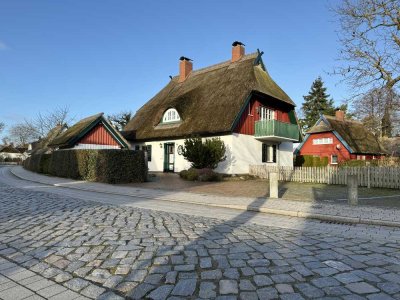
<point>368,177</point>
<point>273,185</point>
<point>352,190</point>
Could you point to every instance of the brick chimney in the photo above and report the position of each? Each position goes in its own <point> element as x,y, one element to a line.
<point>185,67</point>
<point>237,50</point>
<point>339,115</point>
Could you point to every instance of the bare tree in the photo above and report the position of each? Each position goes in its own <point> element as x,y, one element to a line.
<point>370,38</point>
<point>22,134</point>
<point>2,125</point>
<point>120,119</point>
<point>43,123</point>
<point>379,111</point>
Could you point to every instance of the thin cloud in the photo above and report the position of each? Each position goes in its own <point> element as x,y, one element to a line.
<point>3,46</point>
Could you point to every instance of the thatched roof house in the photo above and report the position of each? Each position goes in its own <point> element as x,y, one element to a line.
<point>236,100</point>
<point>341,139</point>
<point>209,100</point>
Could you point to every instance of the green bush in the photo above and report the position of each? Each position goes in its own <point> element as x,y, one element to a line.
<point>205,154</point>
<point>205,174</point>
<point>109,166</point>
<point>311,161</point>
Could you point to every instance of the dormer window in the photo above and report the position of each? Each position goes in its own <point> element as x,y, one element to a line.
<point>171,115</point>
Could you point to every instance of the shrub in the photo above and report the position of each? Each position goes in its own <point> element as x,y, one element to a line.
<point>205,174</point>
<point>109,166</point>
<point>205,154</point>
<point>311,161</point>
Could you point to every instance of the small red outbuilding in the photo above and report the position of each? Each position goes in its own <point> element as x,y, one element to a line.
<point>340,139</point>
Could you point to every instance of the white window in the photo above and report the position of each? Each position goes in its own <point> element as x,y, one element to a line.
<point>334,159</point>
<point>266,113</point>
<point>171,115</point>
<point>323,141</point>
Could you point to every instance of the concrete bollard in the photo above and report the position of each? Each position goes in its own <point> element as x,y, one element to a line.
<point>273,185</point>
<point>352,190</point>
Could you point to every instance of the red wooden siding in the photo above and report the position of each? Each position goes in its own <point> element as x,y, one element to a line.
<point>329,149</point>
<point>99,136</point>
<point>250,116</point>
<point>325,150</point>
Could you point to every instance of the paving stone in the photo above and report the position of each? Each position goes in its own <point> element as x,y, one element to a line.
<point>137,275</point>
<point>262,280</point>
<point>248,296</point>
<point>76,284</point>
<point>109,296</point>
<point>228,287</point>
<point>310,291</point>
<point>389,287</point>
<point>325,282</point>
<point>51,290</point>
<point>211,275</point>
<point>380,296</point>
<point>361,288</point>
<point>283,288</point>
<point>170,278</point>
<point>207,290</point>
<point>282,278</point>
<point>92,291</point>
<point>267,293</point>
<point>246,285</point>
<point>184,287</point>
<point>205,263</point>
<point>161,293</point>
<point>347,278</point>
<point>141,290</point>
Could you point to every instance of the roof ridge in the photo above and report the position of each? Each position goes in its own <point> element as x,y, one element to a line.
<point>221,64</point>
<point>345,120</point>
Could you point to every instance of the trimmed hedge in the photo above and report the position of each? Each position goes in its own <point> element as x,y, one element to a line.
<point>311,161</point>
<point>109,166</point>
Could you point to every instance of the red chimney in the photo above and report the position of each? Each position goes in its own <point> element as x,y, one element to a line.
<point>237,50</point>
<point>185,67</point>
<point>339,115</point>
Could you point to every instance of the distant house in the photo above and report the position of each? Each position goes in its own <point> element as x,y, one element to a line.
<point>9,152</point>
<point>340,140</point>
<point>93,132</point>
<point>235,100</point>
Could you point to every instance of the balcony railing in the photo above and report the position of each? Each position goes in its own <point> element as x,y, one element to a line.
<point>273,129</point>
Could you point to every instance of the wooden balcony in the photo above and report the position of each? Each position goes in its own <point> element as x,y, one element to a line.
<point>274,130</point>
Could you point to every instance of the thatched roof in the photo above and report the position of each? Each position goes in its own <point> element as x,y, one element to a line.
<point>73,134</point>
<point>209,101</point>
<point>42,145</point>
<point>8,149</point>
<point>359,139</point>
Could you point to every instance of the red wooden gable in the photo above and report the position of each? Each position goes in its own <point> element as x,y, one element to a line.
<point>99,135</point>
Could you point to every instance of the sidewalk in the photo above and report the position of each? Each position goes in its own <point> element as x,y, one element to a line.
<point>327,212</point>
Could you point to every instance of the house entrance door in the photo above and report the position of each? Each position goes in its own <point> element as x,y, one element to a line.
<point>169,157</point>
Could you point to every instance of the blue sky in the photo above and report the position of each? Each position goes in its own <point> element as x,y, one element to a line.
<point>108,56</point>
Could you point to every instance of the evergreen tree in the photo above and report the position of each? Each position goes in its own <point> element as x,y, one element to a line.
<point>317,102</point>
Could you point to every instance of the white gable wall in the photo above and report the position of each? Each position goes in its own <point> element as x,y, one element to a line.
<point>241,151</point>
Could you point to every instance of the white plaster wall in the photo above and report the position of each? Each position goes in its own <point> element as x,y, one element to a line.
<point>286,154</point>
<point>248,151</point>
<point>241,151</point>
<point>11,155</point>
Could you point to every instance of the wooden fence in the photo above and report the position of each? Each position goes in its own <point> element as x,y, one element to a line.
<point>385,177</point>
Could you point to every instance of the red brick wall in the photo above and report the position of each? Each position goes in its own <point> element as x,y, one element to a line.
<point>250,116</point>
<point>98,136</point>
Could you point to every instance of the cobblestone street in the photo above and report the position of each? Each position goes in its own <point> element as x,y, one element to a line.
<point>59,247</point>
